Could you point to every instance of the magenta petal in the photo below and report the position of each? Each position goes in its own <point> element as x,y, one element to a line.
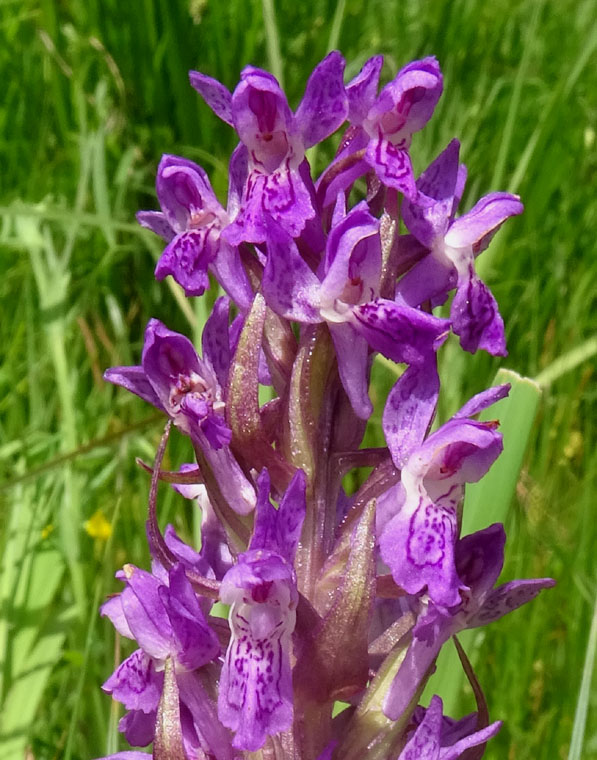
<point>425,742</point>
<point>410,409</point>
<point>474,740</point>
<point>146,614</point>
<point>129,755</point>
<point>187,259</point>
<point>475,316</point>
<point>480,558</point>
<point>112,609</point>
<point>362,90</point>
<point>215,94</point>
<point>352,351</point>
<point>166,356</point>
<point>392,165</point>
<point>196,643</point>
<point>399,332</point>
<point>482,400</point>
<point>138,728</point>
<point>134,380</point>
<point>290,287</point>
<point>232,276</point>
<point>215,339</point>
<point>418,547</point>
<point>429,280</point>
<point>135,683</point>
<point>324,106</point>
<point>280,196</point>
<point>279,530</point>
<point>185,194</point>
<point>429,635</point>
<point>156,222</point>
<point>482,220</point>
<point>406,103</point>
<point>507,598</point>
<point>438,182</point>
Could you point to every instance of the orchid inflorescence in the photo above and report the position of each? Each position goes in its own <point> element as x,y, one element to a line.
<point>332,595</point>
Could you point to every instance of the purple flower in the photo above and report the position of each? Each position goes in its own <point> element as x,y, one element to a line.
<point>173,378</point>
<point>453,245</point>
<point>255,697</point>
<point>274,141</point>
<point>383,126</point>
<point>167,621</point>
<point>418,518</point>
<point>478,562</point>
<point>345,294</point>
<point>191,222</point>
<point>429,741</point>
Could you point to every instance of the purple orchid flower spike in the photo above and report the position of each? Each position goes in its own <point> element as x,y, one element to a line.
<point>274,142</point>
<point>453,245</point>
<point>429,739</point>
<point>383,126</point>
<point>418,518</point>
<point>164,616</point>
<point>191,222</point>
<point>173,378</point>
<point>478,562</point>
<point>255,698</point>
<point>345,294</point>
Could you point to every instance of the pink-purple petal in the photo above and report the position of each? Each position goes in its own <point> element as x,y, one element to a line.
<point>135,683</point>
<point>362,90</point>
<point>392,165</point>
<point>289,286</point>
<point>352,351</point>
<point>324,106</point>
<point>215,94</point>
<point>187,259</point>
<point>483,219</point>
<point>410,409</point>
<point>475,316</point>
<point>156,222</point>
<point>508,598</point>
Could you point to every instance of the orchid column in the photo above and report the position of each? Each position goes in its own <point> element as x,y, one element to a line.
<point>332,595</point>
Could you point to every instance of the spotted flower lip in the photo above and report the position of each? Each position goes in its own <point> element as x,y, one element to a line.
<point>417,540</point>
<point>191,222</point>
<point>255,697</point>
<point>453,245</point>
<point>274,141</point>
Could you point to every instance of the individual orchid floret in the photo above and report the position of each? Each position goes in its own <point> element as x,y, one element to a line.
<point>479,558</point>
<point>190,222</point>
<point>173,378</point>
<point>417,542</point>
<point>274,141</point>
<point>383,125</point>
<point>255,697</point>
<point>345,295</point>
<point>430,739</point>
<point>452,247</point>
<point>167,621</point>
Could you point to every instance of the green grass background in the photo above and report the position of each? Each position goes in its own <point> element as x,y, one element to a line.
<point>93,92</point>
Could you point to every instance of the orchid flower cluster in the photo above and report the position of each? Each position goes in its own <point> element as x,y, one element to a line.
<point>332,596</point>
